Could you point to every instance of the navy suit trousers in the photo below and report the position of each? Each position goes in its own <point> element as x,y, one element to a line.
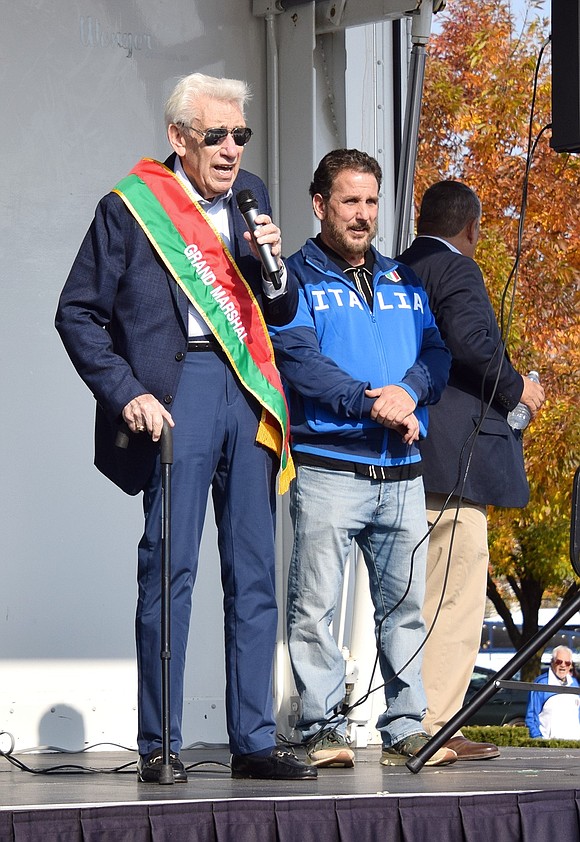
<point>214,447</point>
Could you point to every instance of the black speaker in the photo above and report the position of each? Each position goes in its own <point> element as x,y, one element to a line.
<point>565,75</point>
<point>575,524</point>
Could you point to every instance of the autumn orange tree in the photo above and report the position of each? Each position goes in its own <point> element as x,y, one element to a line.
<point>475,127</point>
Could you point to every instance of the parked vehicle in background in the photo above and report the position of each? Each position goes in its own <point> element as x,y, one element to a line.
<point>505,707</point>
<point>496,648</point>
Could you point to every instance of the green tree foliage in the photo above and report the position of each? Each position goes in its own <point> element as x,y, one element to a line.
<point>476,127</point>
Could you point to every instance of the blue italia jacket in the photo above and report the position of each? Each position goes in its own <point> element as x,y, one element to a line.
<point>336,347</point>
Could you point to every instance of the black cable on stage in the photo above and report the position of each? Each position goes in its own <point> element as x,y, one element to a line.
<point>77,769</point>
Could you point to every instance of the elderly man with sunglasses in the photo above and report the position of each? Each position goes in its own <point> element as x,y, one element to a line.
<point>163,315</point>
<point>555,716</point>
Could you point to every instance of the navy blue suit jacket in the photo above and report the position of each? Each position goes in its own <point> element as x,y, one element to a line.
<point>468,325</point>
<point>123,321</point>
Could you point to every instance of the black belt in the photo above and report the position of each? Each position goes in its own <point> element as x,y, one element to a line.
<point>205,343</point>
<point>383,473</point>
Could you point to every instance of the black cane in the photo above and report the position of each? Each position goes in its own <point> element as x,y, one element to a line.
<point>166,458</point>
<point>166,771</point>
<point>416,763</point>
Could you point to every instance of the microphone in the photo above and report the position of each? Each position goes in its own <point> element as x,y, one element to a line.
<point>248,206</point>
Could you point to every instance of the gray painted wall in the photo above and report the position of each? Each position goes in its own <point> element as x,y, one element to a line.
<point>83,85</point>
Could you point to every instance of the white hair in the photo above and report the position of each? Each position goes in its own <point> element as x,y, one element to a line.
<point>559,649</point>
<point>183,103</point>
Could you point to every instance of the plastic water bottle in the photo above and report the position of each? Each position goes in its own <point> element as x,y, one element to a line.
<point>520,416</point>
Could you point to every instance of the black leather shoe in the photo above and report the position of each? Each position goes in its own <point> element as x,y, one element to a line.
<point>149,768</point>
<point>280,765</point>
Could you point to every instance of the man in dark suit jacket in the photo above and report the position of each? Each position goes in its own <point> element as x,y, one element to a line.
<point>476,470</point>
<point>152,349</point>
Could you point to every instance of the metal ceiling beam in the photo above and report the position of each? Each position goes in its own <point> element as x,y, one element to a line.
<point>332,15</point>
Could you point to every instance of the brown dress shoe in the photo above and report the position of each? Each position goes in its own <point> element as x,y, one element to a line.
<point>468,750</point>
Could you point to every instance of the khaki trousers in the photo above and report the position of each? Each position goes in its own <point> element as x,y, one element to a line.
<point>453,644</point>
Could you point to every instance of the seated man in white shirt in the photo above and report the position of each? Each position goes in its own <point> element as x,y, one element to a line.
<point>550,715</point>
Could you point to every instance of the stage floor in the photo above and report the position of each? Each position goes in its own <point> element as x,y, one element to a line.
<point>516,770</point>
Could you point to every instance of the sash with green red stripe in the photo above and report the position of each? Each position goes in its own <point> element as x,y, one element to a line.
<point>199,261</point>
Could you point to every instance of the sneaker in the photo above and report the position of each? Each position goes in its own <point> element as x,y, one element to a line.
<point>331,751</point>
<point>398,754</point>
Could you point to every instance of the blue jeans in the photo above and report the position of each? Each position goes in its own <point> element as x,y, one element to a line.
<point>387,520</point>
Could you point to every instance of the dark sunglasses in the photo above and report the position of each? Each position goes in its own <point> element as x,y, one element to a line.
<point>214,136</point>
<point>560,663</point>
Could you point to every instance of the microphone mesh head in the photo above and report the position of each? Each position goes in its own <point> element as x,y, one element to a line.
<point>246,200</point>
